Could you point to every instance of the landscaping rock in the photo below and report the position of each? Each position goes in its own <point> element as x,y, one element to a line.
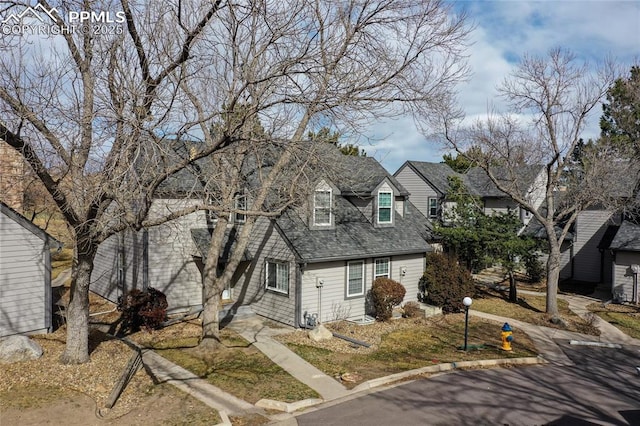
<point>560,322</point>
<point>320,333</point>
<point>18,348</point>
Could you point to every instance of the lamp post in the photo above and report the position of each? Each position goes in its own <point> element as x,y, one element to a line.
<point>467,301</point>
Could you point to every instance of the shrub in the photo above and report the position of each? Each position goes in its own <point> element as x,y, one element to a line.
<point>445,283</point>
<point>386,293</point>
<point>146,309</point>
<point>534,267</point>
<point>412,310</point>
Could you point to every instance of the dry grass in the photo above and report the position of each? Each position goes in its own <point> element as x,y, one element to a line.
<point>625,317</point>
<point>43,383</point>
<point>403,344</point>
<point>236,367</point>
<point>530,309</point>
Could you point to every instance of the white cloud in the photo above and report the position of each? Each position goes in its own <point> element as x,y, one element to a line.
<point>505,31</point>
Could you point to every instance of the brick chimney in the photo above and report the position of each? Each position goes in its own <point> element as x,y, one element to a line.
<point>12,170</point>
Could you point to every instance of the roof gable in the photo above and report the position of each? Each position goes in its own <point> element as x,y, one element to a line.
<point>435,175</point>
<point>627,238</point>
<point>27,224</point>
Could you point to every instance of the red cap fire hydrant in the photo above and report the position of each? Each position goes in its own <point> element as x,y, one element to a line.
<point>507,337</point>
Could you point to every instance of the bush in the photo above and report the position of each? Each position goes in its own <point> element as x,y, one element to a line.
<point>146,309</point>
<point>445,283</point>
<point>412,310</point>
<point>534,267</point>
<point>386,293</point>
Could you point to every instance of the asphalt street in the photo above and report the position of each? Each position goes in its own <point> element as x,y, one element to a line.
<point>603,387</point>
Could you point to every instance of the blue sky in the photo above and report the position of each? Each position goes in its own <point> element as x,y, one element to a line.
<point>505,30</point>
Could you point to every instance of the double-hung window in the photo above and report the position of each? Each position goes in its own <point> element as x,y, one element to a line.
<point>240,203</point>
<point>277,276</point>
<point>385,206</point>
<point>355,278</point>
<point>322,207</point>
<point>433,207</point>
<point>382,268</point>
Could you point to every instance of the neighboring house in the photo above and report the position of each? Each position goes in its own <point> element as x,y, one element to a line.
<point>428,184</point>
<point>25,275</point>
<point>625,249</point>
<point>315,262</point>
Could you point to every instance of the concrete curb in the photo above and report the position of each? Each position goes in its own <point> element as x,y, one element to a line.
<point>439,368</point>
<point>288,407</point>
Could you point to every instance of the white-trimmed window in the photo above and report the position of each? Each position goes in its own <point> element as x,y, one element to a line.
<point>385,206</point>
<point>382,268</point>
<point>240,203</point>
<point>277,276</point>
<point>433,207</point>
<point>322,207</point>
<point>355,278</point>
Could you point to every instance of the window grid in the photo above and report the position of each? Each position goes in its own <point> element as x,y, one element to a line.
<point>433,207</point>
<point>384,206</point>
<point>355,278</point>
<point>322,208</point>
<point>381,268</point>
<point>277,276</point>
<point>240,204</point>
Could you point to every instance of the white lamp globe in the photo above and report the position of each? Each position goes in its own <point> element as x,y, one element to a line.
<point>467,301</point>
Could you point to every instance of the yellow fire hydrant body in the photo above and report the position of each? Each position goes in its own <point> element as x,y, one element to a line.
<point>507,337</point>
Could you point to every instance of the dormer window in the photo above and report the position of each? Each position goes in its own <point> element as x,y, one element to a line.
<point>240,204</point>
<point>385,206</point>
<point>322,207</point>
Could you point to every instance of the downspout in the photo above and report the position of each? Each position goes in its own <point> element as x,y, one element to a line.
<point>145,259</point>
<point>48,302</point>
<point>298,308</point>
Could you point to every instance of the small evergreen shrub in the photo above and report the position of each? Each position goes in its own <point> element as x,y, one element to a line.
<point>445,283</point>
<point>386,293</point>
<point>534,267</point>
<point>142,309</point>
<point>412,310</point>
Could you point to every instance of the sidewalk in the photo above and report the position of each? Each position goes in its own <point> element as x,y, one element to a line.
<point>261,336</point>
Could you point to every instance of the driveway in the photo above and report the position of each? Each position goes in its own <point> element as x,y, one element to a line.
<point>603,387</point>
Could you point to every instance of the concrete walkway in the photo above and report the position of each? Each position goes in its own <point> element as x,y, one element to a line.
<point>255,332</point>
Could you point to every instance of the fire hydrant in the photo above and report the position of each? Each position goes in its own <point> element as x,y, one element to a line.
<point>507,337</point>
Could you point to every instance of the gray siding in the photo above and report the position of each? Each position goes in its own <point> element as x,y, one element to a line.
<point>25,293</point>
<point>590,227</point>
<point>172,268</point>
<point>330,302</point>
<point>250,286</point>
<point>420,191</point>
<point>622,280</point>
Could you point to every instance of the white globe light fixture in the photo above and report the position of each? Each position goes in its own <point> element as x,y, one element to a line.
<point>467,301</point>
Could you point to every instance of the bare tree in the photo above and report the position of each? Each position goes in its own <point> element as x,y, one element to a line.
<point>89,107</point>
<point>550,99</point>
<point>301,65</point>
<point>79,106</point>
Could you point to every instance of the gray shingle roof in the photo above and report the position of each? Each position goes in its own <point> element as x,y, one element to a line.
<point>476,179</point>
<point>353,236</point>
<point>627,238</point>
<point>353,175</point>
<point>521,179</point>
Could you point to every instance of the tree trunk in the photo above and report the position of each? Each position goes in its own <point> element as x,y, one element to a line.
<point>77,347</point>
<point>553,276</point>
<point>513,289</point>
<point>211,315</point>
